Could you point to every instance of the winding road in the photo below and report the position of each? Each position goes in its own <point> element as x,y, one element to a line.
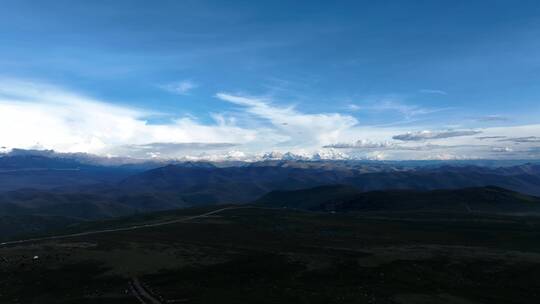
<point>140,292</point>
<point>135,227</point>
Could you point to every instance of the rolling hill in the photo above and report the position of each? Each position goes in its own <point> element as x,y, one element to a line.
<point>80,189</point>
<point>346,199</point>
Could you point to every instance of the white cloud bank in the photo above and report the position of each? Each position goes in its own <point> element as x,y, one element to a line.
<point>298,129</point>
<point>426,135</point>
<point>41,116</point>
<point>34,115</point>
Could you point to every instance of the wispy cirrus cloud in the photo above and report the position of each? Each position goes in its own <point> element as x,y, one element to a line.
<point>502,149</point>
<point>490,137</point>
<point>181,87</point>
<point>159,149</point>
<point>432,91</point>
<point>407,110</point>
<point>426,135</point>
<point>392,146</point>
<point>525,139</point>
<point>300,129</point>
<point>490,118</point>
<point>362,144</point>
<point>354,107</point>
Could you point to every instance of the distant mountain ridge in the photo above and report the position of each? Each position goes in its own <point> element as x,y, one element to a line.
<point>346,199</point>
<point>234,158</point>
<point>242,184</point>
<point>49,184</point>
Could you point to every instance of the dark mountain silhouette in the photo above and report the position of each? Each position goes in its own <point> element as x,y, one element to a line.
<point>345,199</point>
<point>310,198</point>
<point>84,205</point>
<point>446,178</point>
<point>51,186</point>
<point>227,185</point>
<point>45,172</point>
<point>243,184</point>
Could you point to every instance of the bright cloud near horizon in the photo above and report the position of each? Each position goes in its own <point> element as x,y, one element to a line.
<point>202,78</point>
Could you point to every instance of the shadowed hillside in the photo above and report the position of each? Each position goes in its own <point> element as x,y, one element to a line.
<point>345,199</point>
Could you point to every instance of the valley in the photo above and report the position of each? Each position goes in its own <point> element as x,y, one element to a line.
<point>253,254</point>
<point>268,232</point>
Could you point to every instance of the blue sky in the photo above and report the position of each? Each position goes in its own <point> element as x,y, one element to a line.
<point>384,80</point>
